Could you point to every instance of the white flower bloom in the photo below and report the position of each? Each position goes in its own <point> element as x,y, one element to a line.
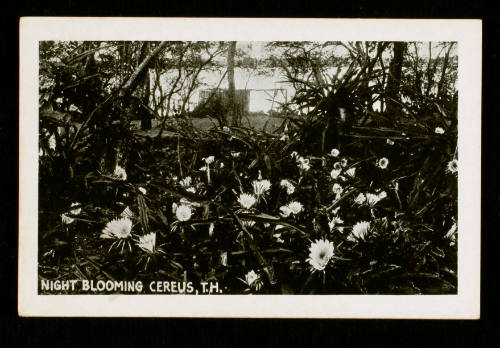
<point>183,212</point>
<point>335,173</point>
<point>382,195</point>
<point>360,199</point>
<point>191,189</point>
<point>390,141</point>
<point>223,258</point>
<point>284,137</point>
<point>203,169</point>
<point>186,182</point>
<point>451,234</point>
<point>277,236</point>
<point>288,185</point>
<point>335,152</point>
<point>211,229</point>
<point>76,211</point>
<point>343,162</point>
<point>320,254</point>
<point>285,211</point>
<point>303,163</point>
<point>295,207</point>
<point>337,189</point>
<point>127,213</point>
<point>143,190</point>
<point>260,187</point>
<point>334,221</point>
<point>382,163</point>
<point>248,223</point>
<point>174,207</point>
<point>246,200</point>
<point>66,220</point>
<point>225,129</point>
<point>235,154</point>
<point>52,142</point>
<point>221,165</point>
<point>120,173</point>
<point>117,228</point>
<point>209,159</point>
<point>439,130</point>
<point>251,277</point>
<point>452,166</point>
<point>147,242</point>
<point>294,154</point>
<point>337,166</point>
<point>360,229</point>
<point>372,199</point>
<point>351,172</point>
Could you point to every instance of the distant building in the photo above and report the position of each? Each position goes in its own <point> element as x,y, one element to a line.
<point>242,97</point>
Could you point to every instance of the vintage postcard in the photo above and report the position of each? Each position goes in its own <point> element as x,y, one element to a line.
<point>302,168</point>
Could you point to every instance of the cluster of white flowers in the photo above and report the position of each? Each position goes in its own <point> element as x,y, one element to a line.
<point>291,208</point>
<point>246,200</point>
<point>290,189</point>
<point>320,254</point>
<point>147,243</point>
<point>117,229</point>
<point>261,187</point>
<point>359,230</point>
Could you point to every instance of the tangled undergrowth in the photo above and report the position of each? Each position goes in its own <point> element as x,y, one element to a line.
<point>253,212</point>
<point>368,207</point>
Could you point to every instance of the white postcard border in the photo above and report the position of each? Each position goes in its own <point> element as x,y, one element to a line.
<point>464,305</point>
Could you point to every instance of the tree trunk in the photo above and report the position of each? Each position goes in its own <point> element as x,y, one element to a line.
<point>134,80</point>
<point>233,110</point>
<point>393,82</point>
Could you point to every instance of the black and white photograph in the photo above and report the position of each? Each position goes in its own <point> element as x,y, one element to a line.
<point>319,167</point>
